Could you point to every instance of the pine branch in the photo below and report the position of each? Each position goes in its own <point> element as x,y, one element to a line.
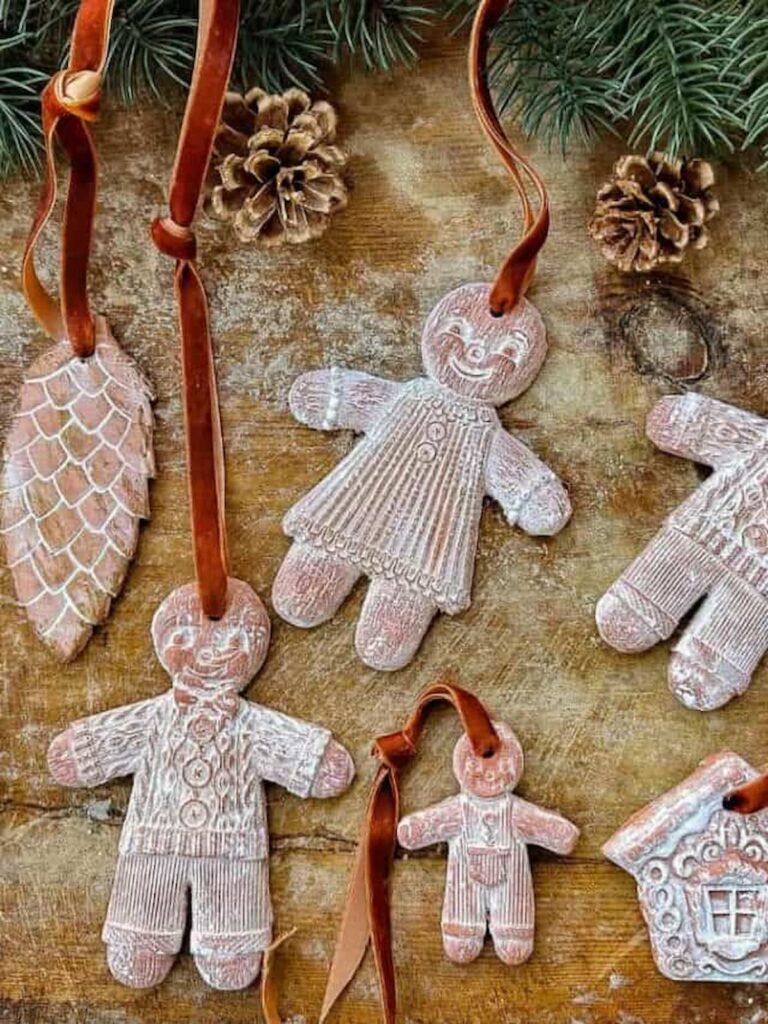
<point>283,43</point>
<point>544,72</point>
<point>673,60</point>
<point>383,32</point>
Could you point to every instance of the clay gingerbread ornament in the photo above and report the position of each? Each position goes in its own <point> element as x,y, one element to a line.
<point>488,830</point>
<point>404,506</point>
<point>714,546</point>
<point>197,822</point>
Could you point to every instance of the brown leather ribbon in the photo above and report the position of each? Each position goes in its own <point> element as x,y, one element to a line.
<point>749,798</point>
<point>70,101</point>
<point>366,914</point>
<point>173,235</point>
<point>516,274</point>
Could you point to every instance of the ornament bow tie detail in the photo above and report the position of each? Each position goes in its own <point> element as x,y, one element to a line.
<point>192,695</point>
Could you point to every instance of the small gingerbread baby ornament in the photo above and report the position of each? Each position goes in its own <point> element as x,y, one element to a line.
<point>404,506</point>
<point>196,825</point>
<point>488,830</point>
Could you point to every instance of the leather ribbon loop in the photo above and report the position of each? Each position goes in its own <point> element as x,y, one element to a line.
<point>69,102</point>
<point>174,240</point>
<point>516,274</point>
<point>749,798</point>
<point>366,914</point>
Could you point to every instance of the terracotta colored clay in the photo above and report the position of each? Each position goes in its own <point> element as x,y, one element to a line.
<point>78,460</point>
<point>197,822</point>
<point>404,506</point>
<point>488,830</point>
<point>715,544</point>
<point>702,876</point>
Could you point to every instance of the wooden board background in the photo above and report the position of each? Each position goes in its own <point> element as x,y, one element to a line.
<point>430,209</point>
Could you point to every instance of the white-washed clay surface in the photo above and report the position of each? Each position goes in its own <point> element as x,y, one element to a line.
<point>715,546</point>
<point>78,458</point>
<point>196,828</point>
<point>488,829</point>
<point>404,506</point>
<point>702,876</point>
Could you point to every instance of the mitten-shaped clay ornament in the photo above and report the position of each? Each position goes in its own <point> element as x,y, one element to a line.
<point>196,825</point>
<point>488,830</point>
<point>714,544</point>
<point>404,506</point>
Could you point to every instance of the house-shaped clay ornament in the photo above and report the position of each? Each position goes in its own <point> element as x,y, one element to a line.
<point>702,876</point>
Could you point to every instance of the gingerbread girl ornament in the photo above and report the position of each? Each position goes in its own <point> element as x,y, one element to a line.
<point>404,506</point>
<point>714,546</point>
<point>197,820</point>
<point>488,830</point>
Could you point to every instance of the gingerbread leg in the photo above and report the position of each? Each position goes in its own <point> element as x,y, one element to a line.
<point>645,605</point>
<point>392,624</point>
<point>231,920</point>
<point>715,657</point>
<point>512,911</point>
<point>311,585</point>
<point>146,917</point>
<point>465,918</point>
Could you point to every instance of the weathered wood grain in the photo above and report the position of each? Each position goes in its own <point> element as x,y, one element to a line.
<point>430,209</point>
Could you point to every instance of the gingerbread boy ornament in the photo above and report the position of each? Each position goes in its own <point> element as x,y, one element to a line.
<point>196,825</point>
<point>488,830</point>
<point>404,506</point>
<point>714,546</point>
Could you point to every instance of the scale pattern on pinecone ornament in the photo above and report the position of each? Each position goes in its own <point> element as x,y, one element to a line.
<point>75,486</point>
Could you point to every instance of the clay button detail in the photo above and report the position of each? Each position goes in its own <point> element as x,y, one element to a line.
<point>202,729</point>
<point>436,431</point>
<point>197,773</point>
<point>426,451</point>
<point>193,814</point>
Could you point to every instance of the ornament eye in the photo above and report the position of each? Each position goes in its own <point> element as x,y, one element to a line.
<point>456,328</point>
<point>512,346</point>
<point>183,637</point>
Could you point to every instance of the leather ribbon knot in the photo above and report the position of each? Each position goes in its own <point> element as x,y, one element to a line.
<point>175,240</point>
<point>367,912</point>
<point>77,93</point>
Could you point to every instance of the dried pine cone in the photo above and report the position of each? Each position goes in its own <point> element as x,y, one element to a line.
<point>653,210</point>
<point>280,174</point>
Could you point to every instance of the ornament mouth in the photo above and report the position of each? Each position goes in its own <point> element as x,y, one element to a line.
<point>468,372</point>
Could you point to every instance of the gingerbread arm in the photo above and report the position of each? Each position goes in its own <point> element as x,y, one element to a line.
<point>704,430</point>
<point>299,756</point>
<point>527,490</point>
<point>338,399</point>
<point>103,747</point>
<point>544,828</point>
<point>435,824</point>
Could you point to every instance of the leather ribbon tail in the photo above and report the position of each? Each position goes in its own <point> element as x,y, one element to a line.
<point>516,274</point>
<point>366,916</point>
<point>749,798</point>
<point>173,235</point>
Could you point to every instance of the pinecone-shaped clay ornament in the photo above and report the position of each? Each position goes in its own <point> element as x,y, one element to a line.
<point>653,210</point>
<point>404,506</point>
<point>279,170</point>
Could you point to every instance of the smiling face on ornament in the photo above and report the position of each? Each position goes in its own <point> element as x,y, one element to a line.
<point>479,356</point>
<point>489,777</point>
<point>229,650</point>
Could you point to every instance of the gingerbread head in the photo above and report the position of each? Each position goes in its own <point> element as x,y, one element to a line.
<point>480,356</point>
<point>215,652</point>
<point>488,777</point>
